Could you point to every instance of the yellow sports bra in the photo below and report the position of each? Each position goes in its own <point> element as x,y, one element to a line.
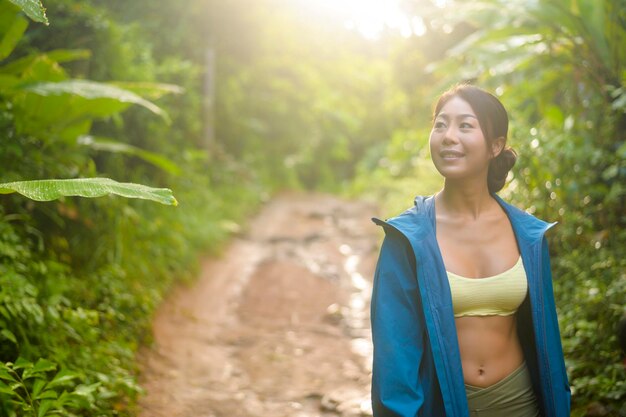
<point>499,295</point>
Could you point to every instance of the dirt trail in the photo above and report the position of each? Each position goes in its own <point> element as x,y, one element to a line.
<point>276,326</point>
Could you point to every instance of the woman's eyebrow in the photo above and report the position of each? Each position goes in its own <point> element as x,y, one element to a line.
<point>459,116</point>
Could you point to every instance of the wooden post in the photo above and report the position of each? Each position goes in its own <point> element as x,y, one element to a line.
<point>209,101</point>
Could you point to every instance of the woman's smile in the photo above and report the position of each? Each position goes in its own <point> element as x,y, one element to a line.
<point>451,155</point>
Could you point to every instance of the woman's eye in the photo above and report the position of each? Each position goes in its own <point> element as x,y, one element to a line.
<point>466,125</point>
<point>439,125</point>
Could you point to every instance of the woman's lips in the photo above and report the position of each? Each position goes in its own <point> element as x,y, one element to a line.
<point>449,154</point>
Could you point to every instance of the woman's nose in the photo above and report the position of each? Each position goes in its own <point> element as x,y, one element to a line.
<point>449,135</point>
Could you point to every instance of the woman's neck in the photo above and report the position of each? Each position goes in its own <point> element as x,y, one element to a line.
<point>464,200</point>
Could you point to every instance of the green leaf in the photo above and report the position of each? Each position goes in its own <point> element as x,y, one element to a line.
<point>61,378</point>
<point>48,190</point>
<point>87,390</point>
<point>33,9</point>
<point>8,335</point>
<point>610,172</point>
<point>12,36</point>
<point>44,406</point>
<point>73,400</point>
<point>92,90</point>
<point>44,365</point>
<point>22,363</point>
<point>152,91</point>
<point>38,370</point>
<point>47,395</point>
<point>5,374</point>
<point>5,389</point>
<point>592,17</point>
<point>109,145</point>
<point>19,65</point>
<point>38,386</point>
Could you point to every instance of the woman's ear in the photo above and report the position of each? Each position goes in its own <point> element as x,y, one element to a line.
<point>497,145</point>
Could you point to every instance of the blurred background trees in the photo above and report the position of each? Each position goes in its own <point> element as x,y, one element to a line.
<point>235,100</point>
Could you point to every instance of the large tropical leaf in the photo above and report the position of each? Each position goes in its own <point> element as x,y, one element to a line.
<point>11,35</point>
<point>20,65</point>
<point>33,9</point>
<point>48,190</point>
<point>65,109</point>
<point>520,40</point>
<point>110,145</point>
<point>151,91</point>
<point>92,90</point>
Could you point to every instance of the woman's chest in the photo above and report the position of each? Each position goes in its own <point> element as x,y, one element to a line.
<point>477,249</point>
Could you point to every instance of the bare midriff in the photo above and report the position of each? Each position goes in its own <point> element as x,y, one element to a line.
<point>490,348</point>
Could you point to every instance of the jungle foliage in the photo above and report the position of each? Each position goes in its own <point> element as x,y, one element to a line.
<point>79,279</point>
<point>121,90</point>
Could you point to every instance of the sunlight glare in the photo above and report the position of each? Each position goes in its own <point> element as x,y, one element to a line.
<point>371,17</point>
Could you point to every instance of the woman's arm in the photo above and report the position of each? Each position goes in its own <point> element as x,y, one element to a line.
<point>397,331</point>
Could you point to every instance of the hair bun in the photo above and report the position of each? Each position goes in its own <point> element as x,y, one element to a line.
<point>499,169</point>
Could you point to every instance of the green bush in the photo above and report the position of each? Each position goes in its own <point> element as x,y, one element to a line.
<point>79,278</point>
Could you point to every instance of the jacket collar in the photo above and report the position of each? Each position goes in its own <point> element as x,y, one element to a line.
<point>419,220</point>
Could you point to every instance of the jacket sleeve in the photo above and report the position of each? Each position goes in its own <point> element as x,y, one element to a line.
<point>397,331</point>
<point>562,395</point>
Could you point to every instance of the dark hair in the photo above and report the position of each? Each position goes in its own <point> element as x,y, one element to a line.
<point>494,123</point>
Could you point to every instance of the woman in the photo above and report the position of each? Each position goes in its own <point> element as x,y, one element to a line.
<point>463,315</point>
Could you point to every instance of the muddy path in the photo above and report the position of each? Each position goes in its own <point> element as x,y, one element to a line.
<point>278,325</point>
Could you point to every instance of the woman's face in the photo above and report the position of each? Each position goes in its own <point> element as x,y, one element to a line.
<point>457,145</point>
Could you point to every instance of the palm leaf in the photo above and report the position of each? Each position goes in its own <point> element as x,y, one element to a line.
<point>151,91</point>
<point>18,66</point>
<point>110,145</point>
<point>48,190</point>
<point>92,90</point>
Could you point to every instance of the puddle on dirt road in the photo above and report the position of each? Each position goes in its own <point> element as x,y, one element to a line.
<point>357,312</point>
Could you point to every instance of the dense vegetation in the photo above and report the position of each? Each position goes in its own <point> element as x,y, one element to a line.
<point>124,90</point>
<point>79,278</point>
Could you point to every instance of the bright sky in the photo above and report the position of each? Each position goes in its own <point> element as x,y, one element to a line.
<point>370,17</point>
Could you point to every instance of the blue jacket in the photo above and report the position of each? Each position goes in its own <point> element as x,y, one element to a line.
<point>417,365</point>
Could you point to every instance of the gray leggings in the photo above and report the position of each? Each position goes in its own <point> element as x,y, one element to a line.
<point>513,396</point>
